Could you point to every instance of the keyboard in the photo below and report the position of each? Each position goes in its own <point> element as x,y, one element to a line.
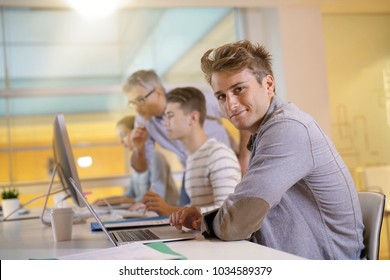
<point>136,235</point>
<point>129,214</point>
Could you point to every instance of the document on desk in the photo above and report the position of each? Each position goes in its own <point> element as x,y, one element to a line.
<point>133,251</point>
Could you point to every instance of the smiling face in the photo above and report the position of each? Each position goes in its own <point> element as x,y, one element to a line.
<point>244,101</point>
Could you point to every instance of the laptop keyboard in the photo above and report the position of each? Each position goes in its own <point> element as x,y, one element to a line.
<point>137,235</point>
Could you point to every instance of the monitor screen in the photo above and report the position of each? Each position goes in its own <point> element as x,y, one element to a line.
<point>63,157</point>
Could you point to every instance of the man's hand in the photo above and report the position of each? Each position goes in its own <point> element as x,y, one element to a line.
<point>188,217</point>
<point>114,200</point>
<point>138,137</point>
<point>156,203</point>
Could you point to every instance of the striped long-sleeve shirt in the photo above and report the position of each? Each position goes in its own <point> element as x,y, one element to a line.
<point>212,173</point>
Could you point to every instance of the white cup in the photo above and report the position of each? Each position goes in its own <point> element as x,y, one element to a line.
<point>61,223</point>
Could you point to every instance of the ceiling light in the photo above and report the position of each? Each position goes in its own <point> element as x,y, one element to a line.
<point>94,9</point>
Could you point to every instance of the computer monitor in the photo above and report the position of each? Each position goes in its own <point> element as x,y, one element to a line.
<point>63,158</point>
<point>64,162</point>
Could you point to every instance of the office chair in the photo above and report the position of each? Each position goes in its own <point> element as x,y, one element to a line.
<point>372,205</point>
<point>377,178</point>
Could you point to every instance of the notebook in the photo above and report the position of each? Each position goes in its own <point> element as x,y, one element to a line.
<point>145,236</point>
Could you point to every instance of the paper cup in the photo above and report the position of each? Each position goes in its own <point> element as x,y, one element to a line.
<point>61,223</point>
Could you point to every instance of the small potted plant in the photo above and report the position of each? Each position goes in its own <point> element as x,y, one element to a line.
<point>10,201</point>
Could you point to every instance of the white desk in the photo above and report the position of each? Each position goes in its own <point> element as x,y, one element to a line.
<point>30,239</point>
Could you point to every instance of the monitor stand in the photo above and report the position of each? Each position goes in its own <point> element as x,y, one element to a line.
<point>55,170</point>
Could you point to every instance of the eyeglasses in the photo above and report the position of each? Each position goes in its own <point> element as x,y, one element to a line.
<point>140,100</point>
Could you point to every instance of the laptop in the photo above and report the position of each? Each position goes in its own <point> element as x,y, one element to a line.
<point>145,236</point>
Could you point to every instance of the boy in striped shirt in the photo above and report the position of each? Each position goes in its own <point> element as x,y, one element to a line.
<point>212,169</point>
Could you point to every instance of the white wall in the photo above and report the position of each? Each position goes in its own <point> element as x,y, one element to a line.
<point>294,37</point>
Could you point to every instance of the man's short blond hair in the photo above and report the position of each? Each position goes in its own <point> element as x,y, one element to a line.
<point>235,57</point>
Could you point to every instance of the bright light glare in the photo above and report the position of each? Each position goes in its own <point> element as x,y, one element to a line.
<point>94,9</point>
<point>84,161</point>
